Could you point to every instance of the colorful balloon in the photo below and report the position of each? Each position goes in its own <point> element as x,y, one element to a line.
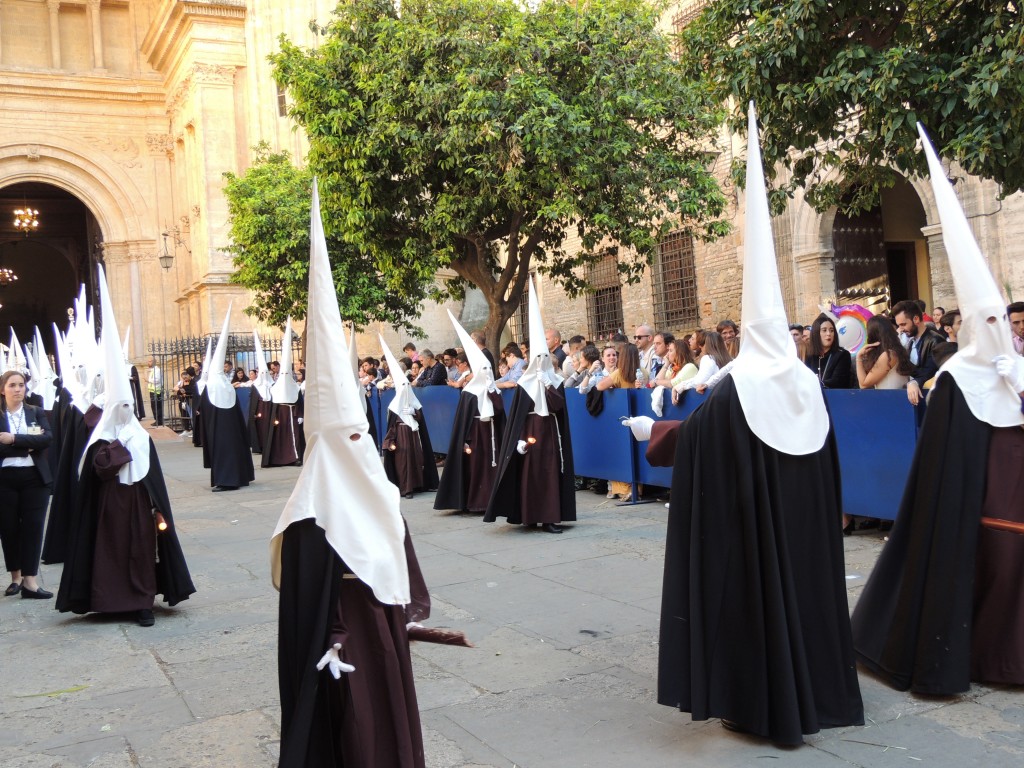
<point>852,326</point>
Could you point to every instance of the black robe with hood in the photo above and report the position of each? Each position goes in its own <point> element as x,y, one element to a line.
<point>467,479</point>
<point>75,431</point>
<point>226,450</point>
<point>540,486</point>
<point>172,576</point>
<point>368,717</point>
<point>913,622</point>
<point>405,438</point>
<point>755,626</point>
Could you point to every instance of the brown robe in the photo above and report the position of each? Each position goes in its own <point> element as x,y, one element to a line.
<point>407,450</point>
<point>997,636</point>
<point>283,438</point>
<point>661,449</point>
<point>124,570</point>
<point>538,485</point>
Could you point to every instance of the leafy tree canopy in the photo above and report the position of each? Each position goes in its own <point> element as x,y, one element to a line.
<point>475,135</point>
<point>843,82</point>
<point>268,212</point>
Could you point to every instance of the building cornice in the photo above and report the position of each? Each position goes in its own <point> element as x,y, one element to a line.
<point>94,88</point>
<point>170,28</point>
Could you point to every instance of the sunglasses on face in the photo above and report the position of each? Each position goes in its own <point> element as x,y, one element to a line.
<point>637,338</point>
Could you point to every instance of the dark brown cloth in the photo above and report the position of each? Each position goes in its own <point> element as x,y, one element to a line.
<point>284,440</point>
<point>124,564</point>
<point>409,455</point>
<point>468,478</point>
<point>661,449</point>
<point>997,637</point>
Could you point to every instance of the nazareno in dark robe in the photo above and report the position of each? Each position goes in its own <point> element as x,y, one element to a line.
<point>198,427</point>
<point>410,464</point>
<point>538,487</point>
<point>257,421</point>
<point>284,440</point>
<point>755,626</point>
<point>76,428</point>
<point>226,445</point>
<point>467,479</point>
<point>944,604</point>
<point>369,717</point>
<point>136,385</point>
<point>92,565</point>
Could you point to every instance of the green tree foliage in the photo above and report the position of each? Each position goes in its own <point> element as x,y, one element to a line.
<point>268,212</point>
<point>843,82</point>
<point>474,135</point>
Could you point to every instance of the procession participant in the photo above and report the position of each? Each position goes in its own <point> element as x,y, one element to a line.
<point>198,427</point>
<point>353,355</point>
<point>225,439</point>
<point>284,443</point>
<point>471,465</point>
<point>343,564</point>
<point>755,627</point>
<point>536,483</point>
<point>259,399</point>
<point>122,547</point>
<point>944,604</point>
<point>408,452</point>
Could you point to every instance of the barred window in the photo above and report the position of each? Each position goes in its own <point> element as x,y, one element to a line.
<point>520,321</point>
<point>675,282</point>
<point>604,304</point>
<point>282,101</point>
<point>688,13</point>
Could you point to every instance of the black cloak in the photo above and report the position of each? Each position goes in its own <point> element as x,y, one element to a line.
<point>391,458</point>
<point>257,421</point>
<point>172,577</point>
<point>226,445</point>
<point>469,477</point>
<point>140,409</point>
<point>369,717</point>
<point>549,472</point>
<point>74,434</point>
<point>755,626</point>
<point>912,622</point>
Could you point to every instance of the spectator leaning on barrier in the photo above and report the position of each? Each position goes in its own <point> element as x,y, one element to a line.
<point>660,344</point>
<point>463,371</point>
<point>434,374</point>
<point>586,358</point>
<point>643,336</point>
<point>827,359</point>
<point>409,350</point>
<point>448,359</point>
<point>554,342</point>
<point>513,357</point>
<point>730,333</point>
<point>950,324</point>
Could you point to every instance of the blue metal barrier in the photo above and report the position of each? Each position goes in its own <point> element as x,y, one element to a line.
<point>875,432</point>
<point>600,444</point>
<point>242,394</point>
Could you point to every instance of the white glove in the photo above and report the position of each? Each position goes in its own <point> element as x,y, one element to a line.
<point>640,426</point>
<point>658,401</point>
<point>408,411</point>
<point>298,420</point>
<point>1011,369</point>
<point>333,662</point>
<point>521,447</point>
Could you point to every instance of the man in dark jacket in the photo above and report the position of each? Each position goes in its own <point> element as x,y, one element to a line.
<point>923,337</point>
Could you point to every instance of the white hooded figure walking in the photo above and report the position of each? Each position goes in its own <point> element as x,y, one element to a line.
<point>408,452</point>
<point>284,442</point>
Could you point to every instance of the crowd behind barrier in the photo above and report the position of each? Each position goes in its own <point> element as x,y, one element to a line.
<point>875,433</point>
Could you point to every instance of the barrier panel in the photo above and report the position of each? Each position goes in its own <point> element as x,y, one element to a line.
<point>876,431</point>
<point>601,446</point>
<point>243,393</point>
<point>641,399</point>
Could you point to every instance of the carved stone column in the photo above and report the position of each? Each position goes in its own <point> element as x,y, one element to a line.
<point>53,6</point>
<point>93,11</point>
<point>943,292</point>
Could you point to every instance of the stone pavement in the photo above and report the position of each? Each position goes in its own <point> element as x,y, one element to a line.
<point>563,673</point>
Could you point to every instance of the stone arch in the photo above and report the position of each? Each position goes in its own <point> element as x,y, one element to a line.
<point>108,194</point>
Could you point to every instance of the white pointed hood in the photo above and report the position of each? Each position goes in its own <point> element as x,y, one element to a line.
<point>124,351</point>
<point>263,382</point>
<point>780,396</point>
<point>15,357</point>
<point>33,385</point>
<point>218,388</point>
<point>342,484</point>
<point>405,394</point>
<point>46,374</point>
<point>353,352</point>
<point>64,361</point>
<point>204,375</point>
<point>540,372</point>
<point>989,396</point>
<point>285,390</point>
<point>118,422</point>
<point>482,382</point>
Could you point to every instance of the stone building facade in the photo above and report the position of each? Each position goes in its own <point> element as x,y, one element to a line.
<point>118,120</point>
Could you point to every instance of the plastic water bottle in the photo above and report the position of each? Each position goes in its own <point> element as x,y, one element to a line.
<point>640,375</point>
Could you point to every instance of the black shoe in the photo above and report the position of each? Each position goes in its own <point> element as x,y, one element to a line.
<point>885,525</point>
<point>729,725</point>
<point>848,528</point>
<point>409,495</point>
<point>220,488</point>
<point>867,524</point>
<point>600,487</point>
<point>14,589</point>
<point>145,618</point>
<point>551,528</point>
<point>39,594</point>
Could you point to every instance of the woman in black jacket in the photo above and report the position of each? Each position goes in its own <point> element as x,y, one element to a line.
<point>25,481</point>
<point>827,359</point>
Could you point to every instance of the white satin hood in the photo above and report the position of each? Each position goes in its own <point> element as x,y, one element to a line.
<point>989,396</point>
<point>218,389</point>
<point>342,485</point>
<point>482,383</point>
<point>405,395</point>
<point>285,390</point>
<point>263,382</point>
<point>540,373</point>
<point>781,397</point>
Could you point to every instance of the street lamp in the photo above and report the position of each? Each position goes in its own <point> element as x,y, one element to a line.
<point>166,258</point>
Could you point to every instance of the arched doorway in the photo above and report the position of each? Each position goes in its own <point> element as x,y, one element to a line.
<point>50,262</point>
<point>881,255</point>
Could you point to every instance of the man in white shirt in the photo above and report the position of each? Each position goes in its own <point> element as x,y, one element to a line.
<point>155,385</point>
